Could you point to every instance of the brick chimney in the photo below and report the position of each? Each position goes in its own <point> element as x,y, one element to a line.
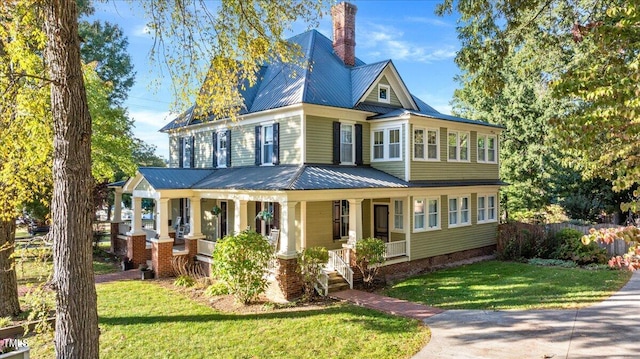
<point>344,32</point>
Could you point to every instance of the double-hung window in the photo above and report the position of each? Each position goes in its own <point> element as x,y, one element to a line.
<point>487,148</point>
<point>426,144</point>
<point>267,144</point>
<point>386,144</point>
<point>459,211</point>
<point>458,146</point>
<point>398,215</point>
<point>346,143</point>
<point>221,148</point>
<point>187,152</point>
<point>487,208</point>
<point>426,214</point>
<point>340,219</point>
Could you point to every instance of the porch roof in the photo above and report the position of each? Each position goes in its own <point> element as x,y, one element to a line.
<point>287,177</point>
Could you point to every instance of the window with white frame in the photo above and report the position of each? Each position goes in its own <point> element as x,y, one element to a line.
<point>386,144</point>
<point>459,211</point>
<point>267,144</point>
<point>458,146</point>
<point>346,144</point>
<point>378,145</point>
<point>426,213</point>
<point>187,151</point>
<point>398,215</point>
<point>340,219</point>
<point>486,208</point>
<point>384,93</point>
<point>221,149</point>
<point>487,148</point>
<point>426,144</point>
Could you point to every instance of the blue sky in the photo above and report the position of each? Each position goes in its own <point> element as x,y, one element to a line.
<point>421,45</point>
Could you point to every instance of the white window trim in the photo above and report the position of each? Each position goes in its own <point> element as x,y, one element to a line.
<point>386,143</point>
<point>263,130</point>
<point>186,160</point>
<point>393,215</point>
<point>219,136</point>
<point>458,146</point>
<point>386,87</point>
<point>486,148</point>
<point>486,209</point>
<point>426,214</point>
<point>459,211</point>
<point>425,144</point>
<point>353,142</point>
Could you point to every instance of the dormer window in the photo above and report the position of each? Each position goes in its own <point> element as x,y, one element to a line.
<point>384,93</point>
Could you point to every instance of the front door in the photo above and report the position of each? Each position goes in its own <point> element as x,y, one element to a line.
<point>381,221</point>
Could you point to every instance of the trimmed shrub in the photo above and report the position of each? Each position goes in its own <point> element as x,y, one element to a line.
<point>369,255</point>
<point>310,263</point>
<point>518,241</point>
<point>571,248</point>
<point>240,262</point>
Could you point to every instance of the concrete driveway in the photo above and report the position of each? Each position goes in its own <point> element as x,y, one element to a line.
<point>610,329</point>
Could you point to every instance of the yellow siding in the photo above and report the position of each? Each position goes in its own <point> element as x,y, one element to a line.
<point>373,95</point>
<point>143,186</point>
<point>290,140</point>
<point>367,220</point>
<point>203,149</point>
<point>395,236</point>
<point>319,140</point>
<point>244,143</point>
<point>444,170</point>
<point>320,227</point>
<point>209,222</point>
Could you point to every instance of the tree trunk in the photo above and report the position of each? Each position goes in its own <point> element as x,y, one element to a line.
<point>9,305</point>
<point>76,332</point>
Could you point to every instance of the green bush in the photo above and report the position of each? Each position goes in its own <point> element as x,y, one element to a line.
<point>310,264</point>
<point>184,281</point>
<point>369,255</point>
<point>571,248</point>
<point>216,289</point>
<point>240,262</point>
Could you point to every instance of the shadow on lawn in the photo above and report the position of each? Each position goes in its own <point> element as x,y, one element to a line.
<point>368,319</point>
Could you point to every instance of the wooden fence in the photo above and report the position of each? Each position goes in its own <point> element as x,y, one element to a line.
<point>617,248</point>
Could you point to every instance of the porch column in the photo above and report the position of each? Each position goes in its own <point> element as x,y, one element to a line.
<point>408,214</point>
<point>162,222</point>
<point>117,206</point>
<point>288,230</point>
<point>239,215</point>
<point>195,218</point>
<point>136,220</point>
<point>355,220</point>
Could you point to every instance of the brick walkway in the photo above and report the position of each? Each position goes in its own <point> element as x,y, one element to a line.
<point>393,306</point>
<point>116,276</point>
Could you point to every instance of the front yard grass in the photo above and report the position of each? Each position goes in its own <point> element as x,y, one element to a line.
<point>141,319</point>
<point>510,285</point>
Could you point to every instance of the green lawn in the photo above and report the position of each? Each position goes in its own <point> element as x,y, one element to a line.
<point>509,285</point>
<point>144,320</point>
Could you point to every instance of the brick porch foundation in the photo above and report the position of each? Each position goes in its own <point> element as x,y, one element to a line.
<point>288,279</point>
<point>403,270</point>
<point>191,246</point>
<point>161,256</point>
<point>136,249</point>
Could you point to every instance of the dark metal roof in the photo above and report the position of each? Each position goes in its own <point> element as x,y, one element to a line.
<point>116,184</point>
<point>288,177</point>
<point>319,77</point>
<point>173,178</point>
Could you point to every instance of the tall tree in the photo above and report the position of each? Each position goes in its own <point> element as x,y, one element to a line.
<point>76,334</point>
<point>25,132</point>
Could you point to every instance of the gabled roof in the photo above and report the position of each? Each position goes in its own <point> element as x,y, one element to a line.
<point>320,77</point>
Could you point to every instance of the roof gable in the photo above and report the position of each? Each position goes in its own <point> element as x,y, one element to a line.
<point>389,74</point>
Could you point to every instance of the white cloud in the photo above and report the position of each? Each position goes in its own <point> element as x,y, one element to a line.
<point>427,20</point>
<point>141,31</point>
<point>147,124</point>
<point>387,42</point>
<point>151,118</point>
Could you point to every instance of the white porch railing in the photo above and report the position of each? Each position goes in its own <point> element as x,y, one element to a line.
<point>322,285</point>
<point>205,247</point>
<point>123,228</point>
<point>395,249</point>
<point>338,260</point>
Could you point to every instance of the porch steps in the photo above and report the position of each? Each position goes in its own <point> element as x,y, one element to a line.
<point>336,282</point>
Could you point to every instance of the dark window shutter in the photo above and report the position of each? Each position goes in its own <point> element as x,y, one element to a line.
<point>258,145</point>
<point>276,144</point>
<point>180,152</point>
<point>358,129</point>
<point>336,220</point>
<point>215,150</point>
<point>336,143</point>
<point>228,148</point>
<point>193,150</point>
